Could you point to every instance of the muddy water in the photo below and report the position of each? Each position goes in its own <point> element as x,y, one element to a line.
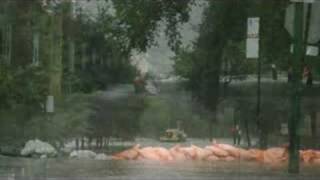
<point>23,168</point>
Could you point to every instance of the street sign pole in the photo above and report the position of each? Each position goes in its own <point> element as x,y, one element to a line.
<point>258,115</point>
<point>253,53</point>
<point>296,90</point>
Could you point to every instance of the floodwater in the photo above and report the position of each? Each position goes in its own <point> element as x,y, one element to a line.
<point>30,169</point>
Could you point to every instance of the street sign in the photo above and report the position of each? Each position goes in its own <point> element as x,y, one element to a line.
<point>253,27</point>
<point>284,129</point>
<point>50,104</point>
<point>252,43</point>
<point>314,35</point>
<point>252,48</point>
<point>310,50</point>
<point>304,1</point>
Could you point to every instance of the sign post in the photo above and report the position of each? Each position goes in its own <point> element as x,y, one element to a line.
<point>311,24</point>
<point>295,84</point>
<point>253,53</point>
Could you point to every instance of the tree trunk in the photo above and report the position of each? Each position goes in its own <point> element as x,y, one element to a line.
<point>101,142</point>
<point>82,143</point>
<point>83,56</point>
<point>97,142</point>
<point>71,55</point>
<point>7,43</point>
<point>313,117</point>
<point>55,56</point>
<point>77,143</point>
<point>89,143</point>
<point>211,122</point>
<point>247,132</point>
<point>35,44</point>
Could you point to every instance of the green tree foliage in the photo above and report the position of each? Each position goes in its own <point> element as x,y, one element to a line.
<point>141,18</point>
<point>223,21</point>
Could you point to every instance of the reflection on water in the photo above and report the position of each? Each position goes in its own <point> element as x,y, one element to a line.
<point>16,168</point>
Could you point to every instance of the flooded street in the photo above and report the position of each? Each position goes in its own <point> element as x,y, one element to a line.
<point>159,89</point>
<point>24,168</point>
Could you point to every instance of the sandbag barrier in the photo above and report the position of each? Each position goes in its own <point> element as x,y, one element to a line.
<point>215,152</point>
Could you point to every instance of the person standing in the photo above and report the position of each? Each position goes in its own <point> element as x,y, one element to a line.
<point>274,72</point>
<point>236,132</point>
<point>290,74</point>
<point>308,75</point>
<point>238,135</point>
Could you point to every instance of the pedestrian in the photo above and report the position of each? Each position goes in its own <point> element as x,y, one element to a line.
<point>234,135</point>
<point>290,74</point>
<point>274,72</point>
<point>308,75</point>
<point>238,131</point>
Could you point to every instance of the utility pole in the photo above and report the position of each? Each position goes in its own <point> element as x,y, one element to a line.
<point>296,90</point>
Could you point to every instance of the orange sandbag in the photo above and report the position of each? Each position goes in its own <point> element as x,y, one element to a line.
<point>257,154</point>
<point>212,158</point>
<point>246,155</point>
<point>233,151</point>
<point>316,161</point>
<point>275,155</point>
<point>201,153</point>
<point>217,151</point>
<point>177,154</point>
<point>228,158</point>
<point>149,153</point>
<point>307,156</point>
<point>189,152</point>
<point>164,154</point>
<point>130,154</point>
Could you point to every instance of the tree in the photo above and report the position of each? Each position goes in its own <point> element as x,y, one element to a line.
<point>203,70</point>
<point>219,50</point>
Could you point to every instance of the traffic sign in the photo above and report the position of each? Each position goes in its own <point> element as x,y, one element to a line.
<point>253,27</point>
<point>252,48</point>
<point>310,50</point>
<point>50,104</point>
<point>253,37</point>
<point>314,29</point>
<point>304,1</point>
